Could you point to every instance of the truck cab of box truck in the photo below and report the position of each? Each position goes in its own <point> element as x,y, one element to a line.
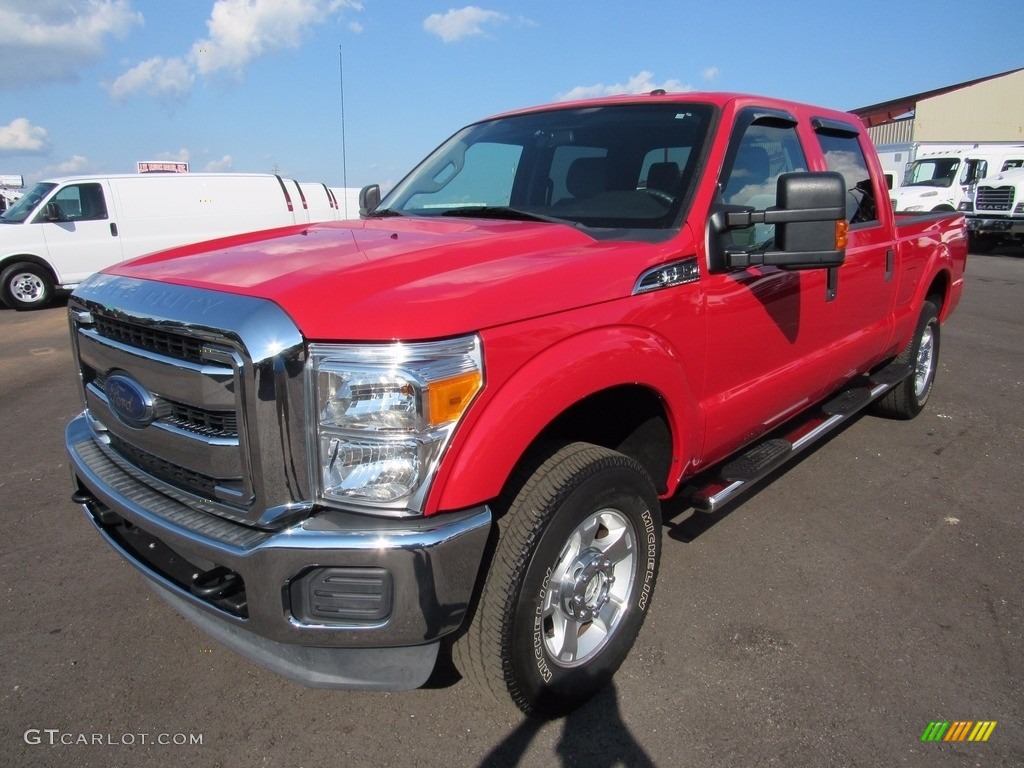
<point>940,180</point>
<point>996,215</point>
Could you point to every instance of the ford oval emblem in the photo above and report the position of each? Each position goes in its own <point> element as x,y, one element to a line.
<point>130,401</point>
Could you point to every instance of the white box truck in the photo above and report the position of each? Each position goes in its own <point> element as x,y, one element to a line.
<point>996,215</point>
<point>940,179</point>
<point>63,230</point>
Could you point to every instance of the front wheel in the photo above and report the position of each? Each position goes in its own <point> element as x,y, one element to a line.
<point>26,286</point>
<point>570,583</point>
<point>908,398</point>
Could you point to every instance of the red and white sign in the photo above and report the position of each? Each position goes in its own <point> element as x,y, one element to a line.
<point>162,166</point>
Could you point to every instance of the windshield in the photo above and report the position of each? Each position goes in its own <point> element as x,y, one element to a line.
<point>934,172</point>
<point>629,166</point>
<point>18,212</point>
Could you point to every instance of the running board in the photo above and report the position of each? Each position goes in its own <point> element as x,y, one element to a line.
<point>740,473</point>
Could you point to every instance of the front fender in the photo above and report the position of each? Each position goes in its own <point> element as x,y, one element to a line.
<point>502,425</point>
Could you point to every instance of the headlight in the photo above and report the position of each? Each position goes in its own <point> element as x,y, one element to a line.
<point>384,414</point>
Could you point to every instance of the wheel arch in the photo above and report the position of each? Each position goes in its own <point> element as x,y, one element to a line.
<point>621,388</point>
<point>29,258</point>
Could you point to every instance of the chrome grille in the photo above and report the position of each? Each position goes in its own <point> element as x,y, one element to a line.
<point>999,199</point>
<point>179,477</point>
<point>219,423</point>
<point>223,376</point>
<point>153,340</point>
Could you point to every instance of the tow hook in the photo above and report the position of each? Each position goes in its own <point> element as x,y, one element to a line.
<point>215,584</point>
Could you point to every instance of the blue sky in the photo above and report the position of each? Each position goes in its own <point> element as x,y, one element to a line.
<point>253,85</point>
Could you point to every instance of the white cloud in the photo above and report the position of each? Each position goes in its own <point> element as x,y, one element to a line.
<point>52,40</point>
<point>73,165</point>
<point>181,156</point>
<point>461,22</point>
<point>710,74</point>
<point>166,80</point>
<point>20,137</point>
<point>640,83</point>
<point>239,31</point>
<point>223,165</point>
<point>243,30</point>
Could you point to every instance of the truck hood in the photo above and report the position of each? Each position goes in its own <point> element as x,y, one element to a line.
<point>383,279</point>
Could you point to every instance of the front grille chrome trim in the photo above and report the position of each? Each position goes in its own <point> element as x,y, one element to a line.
<point>209,359</point>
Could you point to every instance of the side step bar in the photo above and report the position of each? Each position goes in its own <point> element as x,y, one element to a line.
<point>740,473</point>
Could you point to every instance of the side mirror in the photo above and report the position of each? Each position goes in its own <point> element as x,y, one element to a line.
<point>810,226</point>
<point>52,212</point>
<point>369,199</point>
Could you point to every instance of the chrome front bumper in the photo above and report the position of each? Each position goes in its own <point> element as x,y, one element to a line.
<point>431,566</point>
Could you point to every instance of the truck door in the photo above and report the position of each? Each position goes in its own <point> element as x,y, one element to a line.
<point>767,327</point>
<point>861,306</point>
<point>80,230</point>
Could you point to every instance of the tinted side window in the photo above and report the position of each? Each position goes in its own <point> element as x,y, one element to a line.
<point>764,153</point>
<point>844,155</point>
<point>81,202</point>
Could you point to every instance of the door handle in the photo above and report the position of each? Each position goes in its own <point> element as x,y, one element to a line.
<point>113,229</point>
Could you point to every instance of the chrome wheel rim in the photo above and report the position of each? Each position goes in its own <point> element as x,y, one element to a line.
<point>925,361</point>
<point>27,287</point>
<point>589,588</point>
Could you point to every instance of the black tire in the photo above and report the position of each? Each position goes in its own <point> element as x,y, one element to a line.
<point>909,397</point>
<point>570,582</point>
<point>26,286</point>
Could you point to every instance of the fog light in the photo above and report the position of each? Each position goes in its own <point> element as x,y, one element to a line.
<point>342,596</point>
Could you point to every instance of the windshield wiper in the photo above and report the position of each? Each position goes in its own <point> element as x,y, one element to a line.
<point>500,212</point>
<point>384,213</point>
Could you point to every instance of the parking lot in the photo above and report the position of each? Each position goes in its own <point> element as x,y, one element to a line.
<point>873,587</point>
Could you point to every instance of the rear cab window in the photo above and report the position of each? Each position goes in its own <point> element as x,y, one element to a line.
<point>841,147</point>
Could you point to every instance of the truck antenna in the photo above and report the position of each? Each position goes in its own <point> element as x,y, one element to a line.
<point>344,158</point>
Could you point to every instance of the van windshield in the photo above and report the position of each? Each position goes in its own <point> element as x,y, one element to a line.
<point>622,167</point>
<point>18,212</point>
<point>934,172</point>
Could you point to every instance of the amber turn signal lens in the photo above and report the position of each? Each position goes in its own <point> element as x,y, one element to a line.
<point>842,234</point>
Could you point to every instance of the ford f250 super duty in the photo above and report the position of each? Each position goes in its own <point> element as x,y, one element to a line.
<point>340,448</point>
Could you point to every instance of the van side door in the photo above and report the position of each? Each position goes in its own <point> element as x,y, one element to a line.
<point>80,230</point>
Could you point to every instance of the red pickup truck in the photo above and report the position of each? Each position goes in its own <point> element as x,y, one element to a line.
<point>340,448</point>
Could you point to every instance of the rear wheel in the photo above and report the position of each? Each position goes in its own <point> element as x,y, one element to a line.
<point>26,286</point>
<point>908,398</point>
<point>570,582</point>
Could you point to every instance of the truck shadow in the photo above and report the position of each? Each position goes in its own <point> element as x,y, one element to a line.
<point>593,735</point>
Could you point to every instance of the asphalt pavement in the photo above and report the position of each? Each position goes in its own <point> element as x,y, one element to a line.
<point>872,588</point>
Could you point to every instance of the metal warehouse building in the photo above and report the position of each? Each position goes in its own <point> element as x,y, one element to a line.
<point>988,109</point>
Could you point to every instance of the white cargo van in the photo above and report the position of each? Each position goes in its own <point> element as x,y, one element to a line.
<point>942,179</point>
<point>63,230</point>
<point>319,201</point>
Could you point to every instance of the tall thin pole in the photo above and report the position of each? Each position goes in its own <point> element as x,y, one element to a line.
<point>344,155</point>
